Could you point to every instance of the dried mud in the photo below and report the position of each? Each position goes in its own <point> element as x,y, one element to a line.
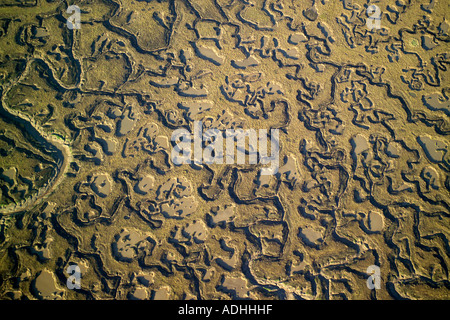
<point>87,179</point>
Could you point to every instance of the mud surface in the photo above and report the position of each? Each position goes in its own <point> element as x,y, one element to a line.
<point>87,178</point>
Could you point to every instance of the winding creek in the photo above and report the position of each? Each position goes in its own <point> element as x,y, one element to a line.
<point>57,148</point>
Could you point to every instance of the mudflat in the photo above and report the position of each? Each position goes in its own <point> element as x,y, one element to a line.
<point>94,204</point>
